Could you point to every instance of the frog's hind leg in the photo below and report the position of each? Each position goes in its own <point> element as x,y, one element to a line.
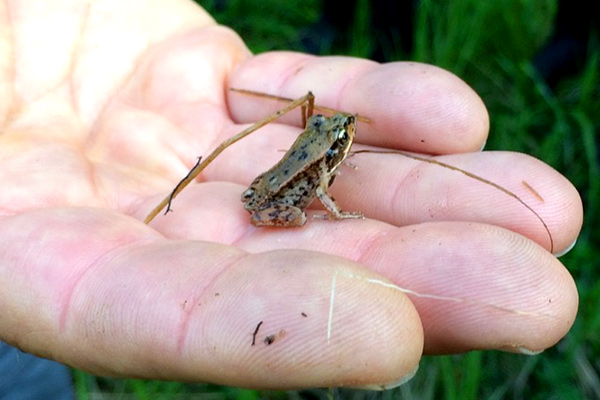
<point>281,215</point>
<point>333,209</point>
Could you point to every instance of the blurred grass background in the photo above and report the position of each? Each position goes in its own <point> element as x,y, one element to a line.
<point>490,45</point>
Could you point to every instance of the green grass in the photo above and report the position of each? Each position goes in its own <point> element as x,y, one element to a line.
<point>489,45</point>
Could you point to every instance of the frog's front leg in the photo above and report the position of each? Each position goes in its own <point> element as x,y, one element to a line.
<point>278,214</point>
<point>333,209</point>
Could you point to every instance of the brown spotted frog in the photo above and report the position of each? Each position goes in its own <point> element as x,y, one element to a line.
<point>279,196</point>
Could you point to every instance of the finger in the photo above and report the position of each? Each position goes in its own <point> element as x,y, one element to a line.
<point>106,294</point>
<point>477,286</point>
<point>412,106</point>
<point>517,192</point>
<point>491,288</point>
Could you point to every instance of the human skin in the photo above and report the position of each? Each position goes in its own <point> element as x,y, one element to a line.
<point>105,106</point>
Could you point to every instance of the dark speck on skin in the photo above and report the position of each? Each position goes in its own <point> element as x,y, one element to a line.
<point>269,340</point>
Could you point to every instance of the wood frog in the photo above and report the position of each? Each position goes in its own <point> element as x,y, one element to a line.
<point>279,196</point>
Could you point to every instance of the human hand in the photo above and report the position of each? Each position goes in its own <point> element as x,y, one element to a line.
<point>106,106</point>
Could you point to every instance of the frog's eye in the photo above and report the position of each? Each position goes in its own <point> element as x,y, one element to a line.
<point>247,194</point>
<point>342,135</point>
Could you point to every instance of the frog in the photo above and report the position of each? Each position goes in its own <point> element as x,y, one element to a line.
<point>280,196</point>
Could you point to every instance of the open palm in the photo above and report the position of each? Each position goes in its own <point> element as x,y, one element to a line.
<point>104,107</point>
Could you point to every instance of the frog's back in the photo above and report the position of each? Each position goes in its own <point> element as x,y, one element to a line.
<point>274,186</point>
<point>313,156</point>
<point>306,152</point>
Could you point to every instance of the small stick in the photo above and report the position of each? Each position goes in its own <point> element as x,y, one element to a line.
<point>255,333</point>
<point>179,184</point>
<point>532,190</point>
<point>308,98</point>
<point>279,98</point>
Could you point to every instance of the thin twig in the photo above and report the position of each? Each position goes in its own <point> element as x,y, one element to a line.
<point>308,98</point>
<point>179,184</point>
<point>279,98</point>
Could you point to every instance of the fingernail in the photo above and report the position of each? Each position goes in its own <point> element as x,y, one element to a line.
<point>483,146</point>
<point>565,251</point>
<point>521,350</point>
<point>528,352</point>
<point>391,385</point>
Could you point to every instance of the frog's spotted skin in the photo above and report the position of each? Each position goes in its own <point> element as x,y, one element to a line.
<point>279,196</point>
